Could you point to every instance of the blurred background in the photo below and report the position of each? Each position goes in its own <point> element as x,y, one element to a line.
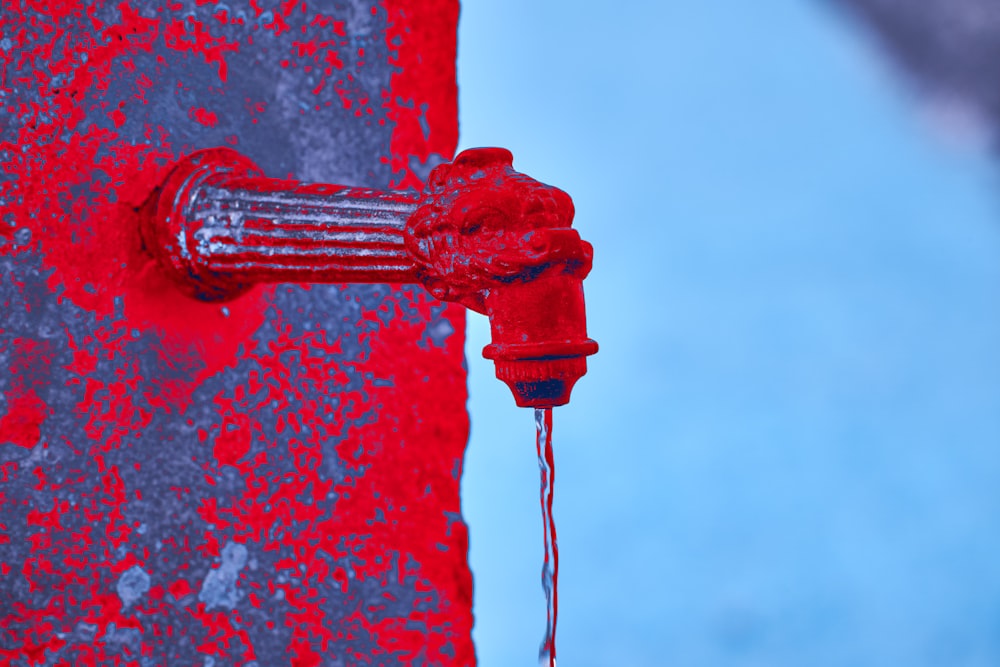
<point>787,451</point>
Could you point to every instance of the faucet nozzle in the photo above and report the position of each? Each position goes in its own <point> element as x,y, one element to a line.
<point>500,243</point>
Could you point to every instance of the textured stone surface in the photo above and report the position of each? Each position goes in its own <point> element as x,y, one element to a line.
<point>271,481</point>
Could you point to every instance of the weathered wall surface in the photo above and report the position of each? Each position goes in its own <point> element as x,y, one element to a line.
<point>271,481</point>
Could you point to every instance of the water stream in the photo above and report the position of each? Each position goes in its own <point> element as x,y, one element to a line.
<point>550,566</point>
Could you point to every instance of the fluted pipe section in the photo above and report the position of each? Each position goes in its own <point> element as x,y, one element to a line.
<point>305,233</point>
<point>221,226</point>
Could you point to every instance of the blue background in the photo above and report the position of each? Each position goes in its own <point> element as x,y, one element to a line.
<point>787,451</point>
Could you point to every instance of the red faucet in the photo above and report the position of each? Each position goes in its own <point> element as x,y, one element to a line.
<point>480,234</point>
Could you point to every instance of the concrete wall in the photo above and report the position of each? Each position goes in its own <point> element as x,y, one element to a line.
<point>270,481</point>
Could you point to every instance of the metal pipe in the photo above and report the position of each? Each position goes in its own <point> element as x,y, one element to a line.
<point>480,234</point>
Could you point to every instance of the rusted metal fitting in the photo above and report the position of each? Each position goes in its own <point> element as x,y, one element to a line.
<point>481,234</point>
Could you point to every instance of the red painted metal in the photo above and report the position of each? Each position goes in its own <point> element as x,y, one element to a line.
<point>480,234</point>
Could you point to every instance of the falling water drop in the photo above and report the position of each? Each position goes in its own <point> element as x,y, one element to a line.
<point>550,566</point>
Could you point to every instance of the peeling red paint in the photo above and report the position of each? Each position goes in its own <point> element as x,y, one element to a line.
<point>424,57</point>
<point>205,117</point>
<point>22,423</point>
<point>73,184</point>
<point>193,36</point>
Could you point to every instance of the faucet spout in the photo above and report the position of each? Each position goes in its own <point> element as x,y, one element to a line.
<point>501,243</point>
<point>481,234</point>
